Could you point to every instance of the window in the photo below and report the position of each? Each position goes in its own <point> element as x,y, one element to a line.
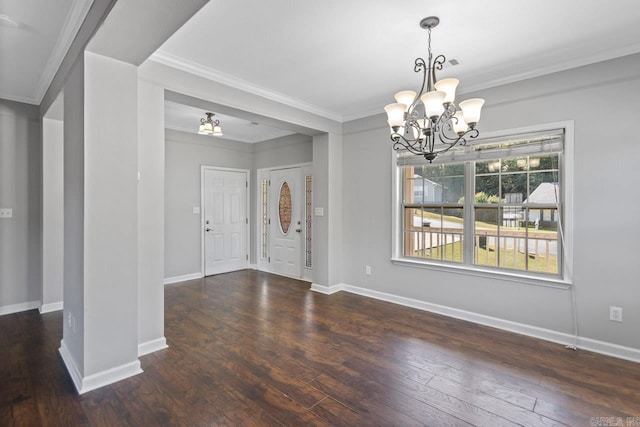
<point>494,205</point>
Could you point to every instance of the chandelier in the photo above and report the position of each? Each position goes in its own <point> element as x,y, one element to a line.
<point>428,123</point>
<point>210,126</point>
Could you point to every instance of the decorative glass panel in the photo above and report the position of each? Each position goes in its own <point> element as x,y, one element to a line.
<point>308,209</point>
<point>284,208</point>
<point>265,193</point>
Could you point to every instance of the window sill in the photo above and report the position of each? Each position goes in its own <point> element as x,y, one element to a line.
<point>550,282</point>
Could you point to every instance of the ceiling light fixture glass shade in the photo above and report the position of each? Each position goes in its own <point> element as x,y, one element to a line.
<point>210,126</point>
<point>428,123</point>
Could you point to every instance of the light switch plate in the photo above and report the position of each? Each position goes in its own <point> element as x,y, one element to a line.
<point>196,209</point>
<point>6,213</point>
<point>319,211</point>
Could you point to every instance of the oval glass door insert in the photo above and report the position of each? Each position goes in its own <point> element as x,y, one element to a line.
<point>284,208</point>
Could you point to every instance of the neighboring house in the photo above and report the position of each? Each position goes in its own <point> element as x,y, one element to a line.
<point>431,191</point>
<point>547,193</point>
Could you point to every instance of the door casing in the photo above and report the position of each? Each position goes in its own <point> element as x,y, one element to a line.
<point>247,173</point>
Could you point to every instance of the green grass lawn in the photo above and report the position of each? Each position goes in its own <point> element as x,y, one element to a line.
<point>509,258</point>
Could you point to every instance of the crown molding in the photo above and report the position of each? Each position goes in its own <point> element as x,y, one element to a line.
<point>72,23</point>
<point>555,68</point>
<point>22,99</point>
<point>228,80</point>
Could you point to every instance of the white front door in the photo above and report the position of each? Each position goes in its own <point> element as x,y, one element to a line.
<point>225,220</point>
<point>286,222</point>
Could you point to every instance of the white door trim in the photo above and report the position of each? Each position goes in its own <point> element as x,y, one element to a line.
<point>247,172</point>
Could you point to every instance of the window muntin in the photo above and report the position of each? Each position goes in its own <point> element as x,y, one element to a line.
<point>509,198</point>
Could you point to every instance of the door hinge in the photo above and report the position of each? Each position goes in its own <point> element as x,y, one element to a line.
<point>247,220</point>
<point>246,184</point>
<point>269,182</point>
<point>269,221</point>
<point>269,259</point>
<point>247,257</point>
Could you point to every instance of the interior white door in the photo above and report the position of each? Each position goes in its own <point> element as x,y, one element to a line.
<point>225,221</point>
<point>286,222</point>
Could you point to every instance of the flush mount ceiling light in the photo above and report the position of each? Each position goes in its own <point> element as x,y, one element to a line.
<point>210,126</point>
<point>429,123</point>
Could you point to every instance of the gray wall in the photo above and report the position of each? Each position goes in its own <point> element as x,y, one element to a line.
<point>185,153</point>
<point>110,213</point>
<point>21,190</point>
<point>53,211</point>
<point>74,213</point>
<point>150,216</point>
<point>602,100</point>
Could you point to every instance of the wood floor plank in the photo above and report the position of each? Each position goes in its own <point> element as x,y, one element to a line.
<point>491,404</point>
<point>253,349</point>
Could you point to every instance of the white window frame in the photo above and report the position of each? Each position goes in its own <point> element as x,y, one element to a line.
<point>567,172</point>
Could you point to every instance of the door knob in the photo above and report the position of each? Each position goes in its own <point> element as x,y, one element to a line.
<point>207,229</point>
<point>298,230</point>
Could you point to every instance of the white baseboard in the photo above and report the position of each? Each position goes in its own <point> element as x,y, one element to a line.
<point>609,349</point>
<point>152,346</point>
<point>327,290</point>
<point>183,278</point>
<point>17,308</point>
<point>52,306</point>
<point>72,366</point>
<point>252,266</point>
<point>100,379</point>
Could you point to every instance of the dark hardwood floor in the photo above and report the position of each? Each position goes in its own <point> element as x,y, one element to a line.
<point>249,348</point>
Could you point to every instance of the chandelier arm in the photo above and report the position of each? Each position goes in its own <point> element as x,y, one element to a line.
<point>400,142</point>
<point>419,66</point>
<point>445,139</point>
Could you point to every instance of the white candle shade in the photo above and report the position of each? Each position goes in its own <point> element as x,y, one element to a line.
<point>433,103</point>
<point>448,86</point>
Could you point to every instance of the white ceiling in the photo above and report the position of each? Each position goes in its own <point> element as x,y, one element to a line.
<point>35,35</point>
<point>344,59</point>
<point>187,119</point>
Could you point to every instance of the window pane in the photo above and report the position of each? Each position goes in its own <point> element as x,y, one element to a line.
<point>413,190</point>
<point>433,190</point>
<point>489,166</point>
<point>514,187</point>
<point>442,234</point>
<point>433,171</point>
<point>487,189</point>
<point>454,169</point>
<point>454,189</point>
<point>544,188</point>
<point>486,236</point>
<point>542,248</point>
<point>549,162</point>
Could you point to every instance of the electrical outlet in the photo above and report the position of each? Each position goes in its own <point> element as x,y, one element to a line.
<point>367,270</point>
<point>6,212</point>
<point>615,314</point>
